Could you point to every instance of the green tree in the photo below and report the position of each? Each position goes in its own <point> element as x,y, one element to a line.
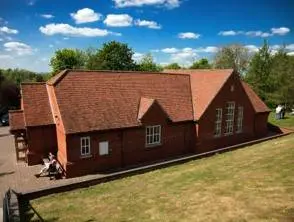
<point>147,64</point>
<point>259,73</point>
<point>282,77</point>
<point>67,59</point>
<point>201,64</point>
<point>232,56</point>
<point>173,66</point>
<point>112,56</point>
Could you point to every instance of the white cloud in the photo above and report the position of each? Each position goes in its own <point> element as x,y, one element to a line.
<point>51,46</point>
<point>280,31</point>
<point>208,49</point>
<point>5,56</point>
<point>138,56</point>
<point>138,3</point>
<point>290,53</point>
<point>188,35</point>
<point>228,33</point>
<point>68,30</point>
<point>65,38</point>
<point>47,16</point>
<point>1,40</point>
<point>85,15</point>
<point>149,24</point>
<point>258,33</point>
<point>5,29</point>
<point>252,48</point>
<point>184,57</point>
<point>290,47</point>
<point>169,50</point>
<point>18,47</point>
<point>118,20</point>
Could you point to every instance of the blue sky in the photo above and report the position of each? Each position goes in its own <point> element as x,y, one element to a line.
<point>172,30</point>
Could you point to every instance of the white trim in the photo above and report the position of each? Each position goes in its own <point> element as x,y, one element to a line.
<point>153,138</point>
<point>86,146</point>
<point>218,122</point>
<point>230,115</point>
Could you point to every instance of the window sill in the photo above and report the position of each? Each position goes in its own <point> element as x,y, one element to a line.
<point>228,134</point>
<point>86,156</point>
<point>152,145</point>
<point>217,136</point>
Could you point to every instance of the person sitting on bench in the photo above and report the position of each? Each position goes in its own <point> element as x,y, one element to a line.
<point>49,166</point>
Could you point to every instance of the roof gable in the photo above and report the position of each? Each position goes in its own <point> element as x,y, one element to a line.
<point>36,105</point>
<point>146,105</point>
<point>16,120</point>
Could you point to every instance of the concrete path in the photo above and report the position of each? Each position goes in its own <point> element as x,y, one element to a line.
<point>19,176</point>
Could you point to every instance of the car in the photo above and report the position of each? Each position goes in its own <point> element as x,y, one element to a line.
<point>5,120</point>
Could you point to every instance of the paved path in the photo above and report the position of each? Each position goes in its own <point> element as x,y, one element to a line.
<point>19,176</point>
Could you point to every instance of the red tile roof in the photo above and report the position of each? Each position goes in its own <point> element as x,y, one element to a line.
<point>205,84</point>
<point>257,103</point>
<point>98,100</point>
<point>145,104</point>
<point>36,104</point>
<point>16,120</point>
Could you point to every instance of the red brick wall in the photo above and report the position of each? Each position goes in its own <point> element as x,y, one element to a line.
<point>41,141</point>
<point>261,128</point>
<point>128,146</point>
<point>206,124</point>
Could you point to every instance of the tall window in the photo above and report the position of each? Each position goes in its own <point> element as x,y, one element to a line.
<point>240,119</point>
<point>230,118</point>
<point>85,146</point>
<point>153,135</point>
<point>218,122</point>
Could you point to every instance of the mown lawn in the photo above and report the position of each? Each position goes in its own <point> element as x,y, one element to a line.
<point>255,183</point>
<point>287,122</point>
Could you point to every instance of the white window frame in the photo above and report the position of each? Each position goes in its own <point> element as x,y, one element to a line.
<point>230,114</point>
<point>86,147</point>
<point>153,135</point>
<point>100,150</point>
<point>240,119</point>
<point>218,122</point>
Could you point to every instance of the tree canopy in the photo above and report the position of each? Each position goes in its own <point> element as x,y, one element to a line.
<point>147,64</point>
<point>67,59</point>
<point>232,56</point>
<point>201,64</point>
<point>173,66</point>
<point>112,56</point>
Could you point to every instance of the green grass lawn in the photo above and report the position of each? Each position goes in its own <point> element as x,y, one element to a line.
<point>287,122</point>
<point>255,183</point>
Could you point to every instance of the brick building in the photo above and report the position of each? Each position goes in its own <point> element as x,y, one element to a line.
<point>100,120</point>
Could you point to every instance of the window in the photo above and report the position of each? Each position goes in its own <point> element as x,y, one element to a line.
<point>85,146</point>
<point>153,135</point>
<point>103,148</point>
<point>230,118</point>
<point>240,119</point>
<point>218,122</point>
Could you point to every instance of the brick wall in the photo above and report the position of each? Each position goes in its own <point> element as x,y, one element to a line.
<point>41,141</point>
<point>127,146</point>
<point>231,91</point>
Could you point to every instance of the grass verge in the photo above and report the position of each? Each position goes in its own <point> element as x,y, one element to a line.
<point>255,183</point>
